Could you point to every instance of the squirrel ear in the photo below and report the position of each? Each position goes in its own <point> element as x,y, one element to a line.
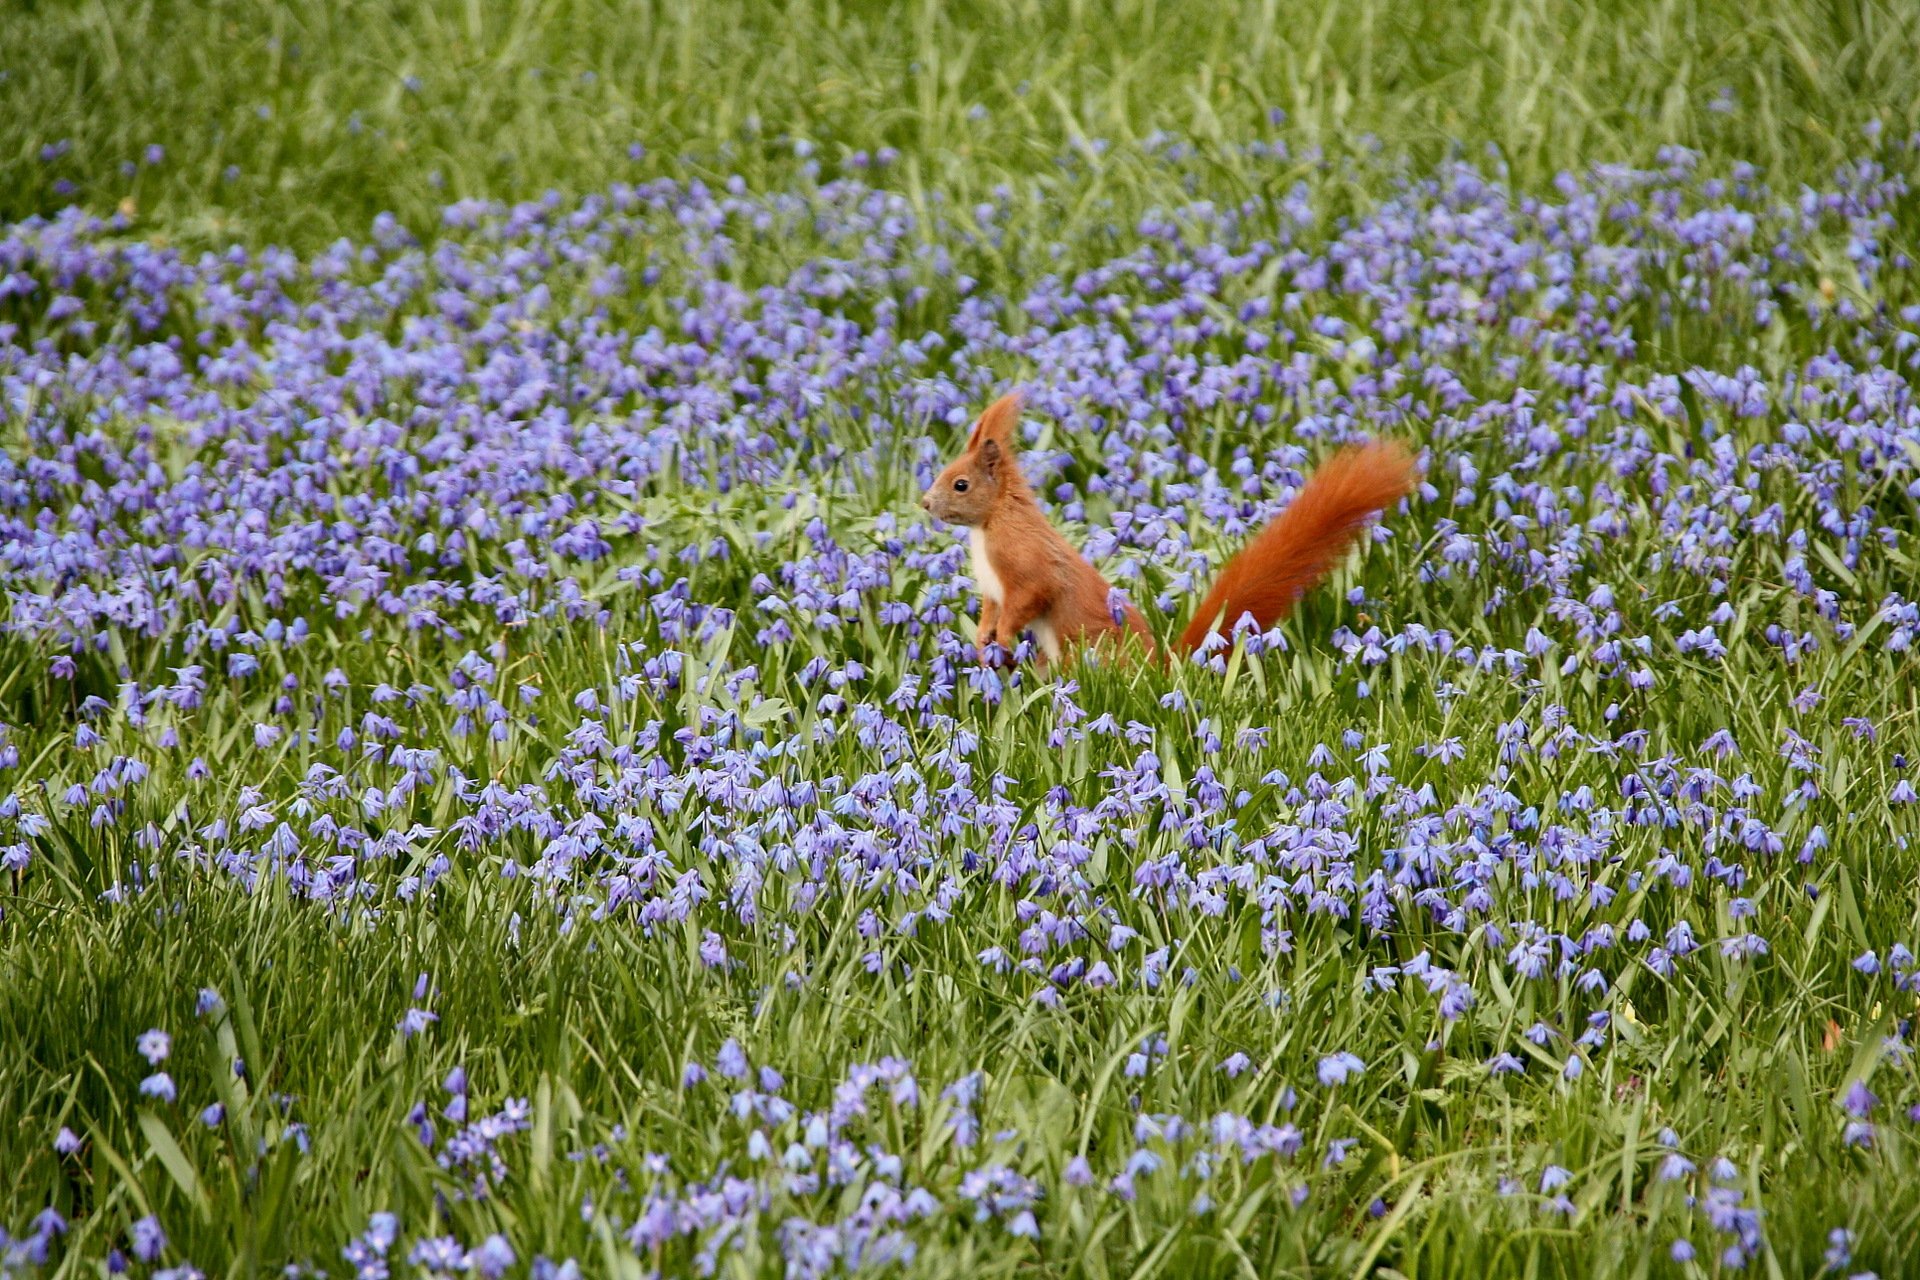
<point>998,422</point>
<point>990,455</point>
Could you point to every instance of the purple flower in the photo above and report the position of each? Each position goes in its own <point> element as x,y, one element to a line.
<point>147,1239</point>
<point>154,1046</point>
<point>1340,1068</point>
<point>1337,1152</point>
<point>1839,1248</point>
<point>491,1259</point>
<point>414,1021</point>
<point>438,1256</point>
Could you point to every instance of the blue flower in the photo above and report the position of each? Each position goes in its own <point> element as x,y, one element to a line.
<point>147,1239</point>
<point>492,1258</point>
<point>1859,1101</point>
<point>1340,1068</point>
<point>155,1045</point>
<point>414,1021</point>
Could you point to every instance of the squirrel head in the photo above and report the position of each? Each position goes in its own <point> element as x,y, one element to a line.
<point>973,483</point>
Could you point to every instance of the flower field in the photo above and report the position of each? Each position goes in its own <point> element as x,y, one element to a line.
<point>496,780</point>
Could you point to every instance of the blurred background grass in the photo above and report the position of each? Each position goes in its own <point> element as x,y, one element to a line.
<point>296,121</point>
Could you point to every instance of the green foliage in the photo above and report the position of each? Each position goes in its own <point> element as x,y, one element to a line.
<point>296,123</point>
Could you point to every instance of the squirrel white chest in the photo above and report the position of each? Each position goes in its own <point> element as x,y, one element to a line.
<point>995,591</point>
<point>983,575</point>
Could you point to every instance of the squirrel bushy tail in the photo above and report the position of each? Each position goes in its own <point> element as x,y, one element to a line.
<point>1306,541</point>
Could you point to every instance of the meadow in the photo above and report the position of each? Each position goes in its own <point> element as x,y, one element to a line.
<point>495,782</point>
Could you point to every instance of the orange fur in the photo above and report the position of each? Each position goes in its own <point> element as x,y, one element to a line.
<point>1031,577</point>
<point>1304,543</point>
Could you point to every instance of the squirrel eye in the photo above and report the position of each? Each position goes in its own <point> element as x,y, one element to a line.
<point>959,486</point>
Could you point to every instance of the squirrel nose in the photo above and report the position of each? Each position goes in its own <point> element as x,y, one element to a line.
<point>926,502</point>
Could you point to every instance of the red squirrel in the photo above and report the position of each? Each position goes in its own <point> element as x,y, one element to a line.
<point>1030,577</point>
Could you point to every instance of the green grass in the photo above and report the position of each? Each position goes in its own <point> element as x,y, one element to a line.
<point>593,1024</point>
<point>325,113</point>
<point>311,107</point>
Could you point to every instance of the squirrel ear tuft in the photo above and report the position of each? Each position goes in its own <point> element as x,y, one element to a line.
<point>998,422</point>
